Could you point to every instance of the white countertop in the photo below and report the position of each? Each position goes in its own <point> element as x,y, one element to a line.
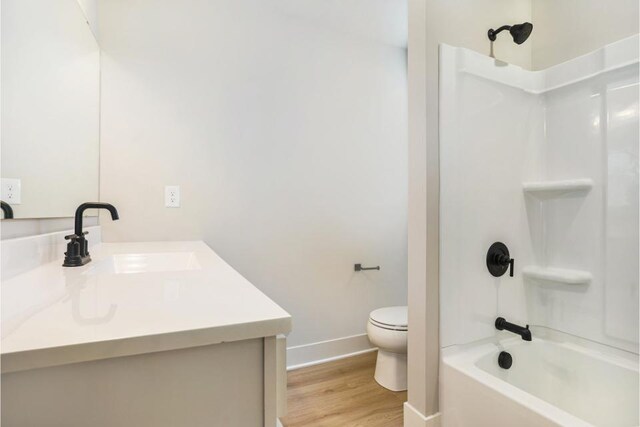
<point>53,315</point>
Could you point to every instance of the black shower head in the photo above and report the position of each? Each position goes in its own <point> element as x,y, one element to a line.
<point>519,32</point>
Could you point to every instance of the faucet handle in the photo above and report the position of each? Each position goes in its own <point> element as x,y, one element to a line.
<point>499,260</point>
<point>75,236</point>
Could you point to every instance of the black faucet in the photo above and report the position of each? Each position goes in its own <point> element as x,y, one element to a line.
<point>78,249</point>
<point>6,208</point>
<point>502,324</point>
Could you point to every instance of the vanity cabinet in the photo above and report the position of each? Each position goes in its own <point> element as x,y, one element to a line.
<point>148,334</point>
<point>229,384</point>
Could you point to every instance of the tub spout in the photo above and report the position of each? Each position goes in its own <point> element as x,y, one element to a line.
<point>502,324</point>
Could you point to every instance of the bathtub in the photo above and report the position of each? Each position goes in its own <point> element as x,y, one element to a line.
<point>555,380</point>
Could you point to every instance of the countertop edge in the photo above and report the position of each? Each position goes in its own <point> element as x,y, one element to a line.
<point>131,346</point>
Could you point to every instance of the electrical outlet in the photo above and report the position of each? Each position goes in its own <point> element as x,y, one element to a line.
<point>11,188</point>
<point>172,196</point>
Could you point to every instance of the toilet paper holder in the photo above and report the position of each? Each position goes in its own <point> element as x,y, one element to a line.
<point>359,267</point>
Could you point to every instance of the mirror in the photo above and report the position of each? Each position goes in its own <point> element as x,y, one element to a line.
<point>50,93</point>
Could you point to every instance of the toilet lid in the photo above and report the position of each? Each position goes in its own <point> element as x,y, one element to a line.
<point>395,317</point>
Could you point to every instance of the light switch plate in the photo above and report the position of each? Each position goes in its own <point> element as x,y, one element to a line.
<point>11,188</point>
<point>172,196</point>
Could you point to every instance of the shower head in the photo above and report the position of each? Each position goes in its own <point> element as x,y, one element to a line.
<point>519,32</point>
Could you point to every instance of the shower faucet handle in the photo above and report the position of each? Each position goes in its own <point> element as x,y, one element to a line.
<point>499,260</point>
<point>505,260</point>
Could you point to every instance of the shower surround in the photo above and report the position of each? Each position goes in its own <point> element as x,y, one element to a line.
<point>547,163</point>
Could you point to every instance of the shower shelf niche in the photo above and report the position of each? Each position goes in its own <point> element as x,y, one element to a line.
<point>548,189</point>
<point>558,275</point>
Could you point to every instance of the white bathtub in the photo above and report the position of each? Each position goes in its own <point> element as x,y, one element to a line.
<point>555,380</point>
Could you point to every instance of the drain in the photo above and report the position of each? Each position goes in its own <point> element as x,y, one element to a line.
<point>505,360</point>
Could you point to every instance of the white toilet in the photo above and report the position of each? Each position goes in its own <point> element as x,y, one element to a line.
<point>387,330</point>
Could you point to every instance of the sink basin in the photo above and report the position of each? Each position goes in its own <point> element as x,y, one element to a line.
<point>145,263</point>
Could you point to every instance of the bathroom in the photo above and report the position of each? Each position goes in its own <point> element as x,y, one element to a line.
<point>273,191</point>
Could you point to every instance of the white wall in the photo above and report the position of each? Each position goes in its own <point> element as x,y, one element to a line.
<point>565,29</point>
<point>592,132</point>
<point>90,10</point>
<point>489,138</point>
<point>431,22</point>
<point>286,135</point>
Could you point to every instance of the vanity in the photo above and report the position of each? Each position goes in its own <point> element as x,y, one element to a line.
<point>146,334</point>
<point>139,334</point>
<point>127,334</point>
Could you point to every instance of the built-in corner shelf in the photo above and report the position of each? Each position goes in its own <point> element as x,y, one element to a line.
<point>546,189</point>
<point>558,275</point>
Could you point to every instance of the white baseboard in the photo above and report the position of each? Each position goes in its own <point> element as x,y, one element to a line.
<point>413,418</point>
<point>325,351</point>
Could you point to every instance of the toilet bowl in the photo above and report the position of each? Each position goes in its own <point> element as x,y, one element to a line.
<point>387,330</point>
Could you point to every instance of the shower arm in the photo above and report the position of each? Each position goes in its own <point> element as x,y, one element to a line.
<point>493,33</point>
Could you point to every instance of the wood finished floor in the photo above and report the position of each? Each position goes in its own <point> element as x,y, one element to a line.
<point>341,394</point>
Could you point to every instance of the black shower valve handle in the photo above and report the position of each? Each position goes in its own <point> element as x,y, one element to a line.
<point>499,260</point>
<point>504,260</point>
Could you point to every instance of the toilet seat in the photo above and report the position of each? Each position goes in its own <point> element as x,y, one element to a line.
<point>388,327</point>
<point>391,318</point>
